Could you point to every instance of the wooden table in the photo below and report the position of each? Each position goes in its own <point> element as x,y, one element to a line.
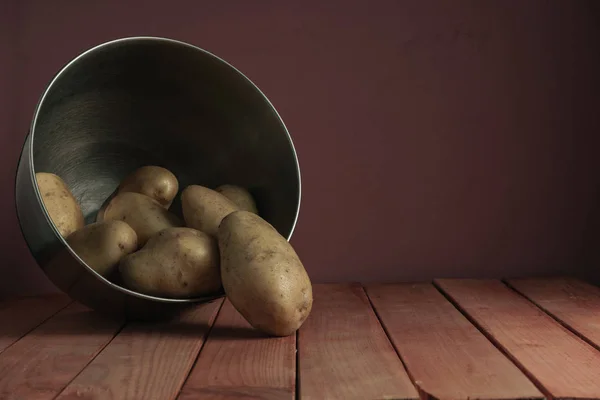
<point>451,339</point>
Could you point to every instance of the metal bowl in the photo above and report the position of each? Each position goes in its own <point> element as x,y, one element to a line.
<point>148,101</point>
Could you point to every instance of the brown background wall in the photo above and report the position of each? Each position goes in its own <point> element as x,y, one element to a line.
<point>436,138</point>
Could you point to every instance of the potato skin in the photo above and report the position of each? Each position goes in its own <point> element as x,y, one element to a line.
<point>176,263</point>
<point>62,207</point>
<point>103,244</point>
<point>203,208</point>
<point>145,215</point>
<point>239,196</point>
<point>262,275</point>
<point>156,182</point>
<point>102,210</point>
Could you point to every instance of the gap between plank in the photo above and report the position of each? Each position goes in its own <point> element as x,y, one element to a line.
<point>187,376</point>
<point>123,324</point>
<point>422,393</point>
<point>497,344</point>
<point>36,326</point>
<point>554,317</point>
<point>344,351</point>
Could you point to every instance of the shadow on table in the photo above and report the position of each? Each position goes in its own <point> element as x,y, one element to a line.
<point>85,322</point>
<point>191,329</point>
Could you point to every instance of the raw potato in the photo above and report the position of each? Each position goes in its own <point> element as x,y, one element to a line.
<point>156,182</point>
<point>103,244</point>
<point>145,215</point>
<point>60,203</point>
<point>262,275</point>
<point>177,263</point>
<point>240,196</point>
<point>100,214</point>
<point>204,208</point>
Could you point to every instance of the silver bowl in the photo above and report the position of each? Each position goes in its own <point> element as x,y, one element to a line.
<point>148,101</point>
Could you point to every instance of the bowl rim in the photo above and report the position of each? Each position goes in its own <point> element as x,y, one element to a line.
<point>37,191</point>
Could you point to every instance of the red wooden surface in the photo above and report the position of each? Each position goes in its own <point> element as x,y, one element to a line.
<point>239,362</point>
<point>574,303</point>
<point>446,356</point>
<point>468,343</point>
<point>563,364</point>
<point>146,361</point>
<point>41,364</point>
<point>344,353</point>
<point>19,316</point>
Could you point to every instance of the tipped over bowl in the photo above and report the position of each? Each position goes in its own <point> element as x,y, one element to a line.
<point>148,101</point>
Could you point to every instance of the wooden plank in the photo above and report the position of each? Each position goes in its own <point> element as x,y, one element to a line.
<point>343,352</point>
<point>41,364</point>
<point>146,361</point>
<point>239,362</point>
<point>564,365</point>
<point>446,356</point>
<point>574,303</point>
<point>20,316</point>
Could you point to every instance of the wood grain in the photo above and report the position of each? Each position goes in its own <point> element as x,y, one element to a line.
<point>41,364</point>
<point>446,356</point>
<point>19,316</point>
<point>571,301</point>
<point>344,352</point>
<point>562,363</point>
<point>239,362</point>
<point>146,360</point>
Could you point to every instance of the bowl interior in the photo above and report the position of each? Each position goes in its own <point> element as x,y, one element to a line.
<point>150,101</point>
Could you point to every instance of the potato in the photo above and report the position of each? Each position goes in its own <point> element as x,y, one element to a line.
<point>60,203</point>
<point>239,196</point>
<point>100,214</point>
<point>203,208</point>
<point>262,275</point>
<point>156,182</point>
<point>145,215</point>
<point>102,244</point>
<point>176,263</point>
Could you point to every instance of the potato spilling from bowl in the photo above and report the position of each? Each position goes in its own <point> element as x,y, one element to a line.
<point>219,243</point>
<point>156,182</point>
<point>60,203</point>
<point>102,245</point>
<point>239,196</point>
<point>262,274</point>
<point>175,263</point>
<point>204,208</point>
<point>144,214</point>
